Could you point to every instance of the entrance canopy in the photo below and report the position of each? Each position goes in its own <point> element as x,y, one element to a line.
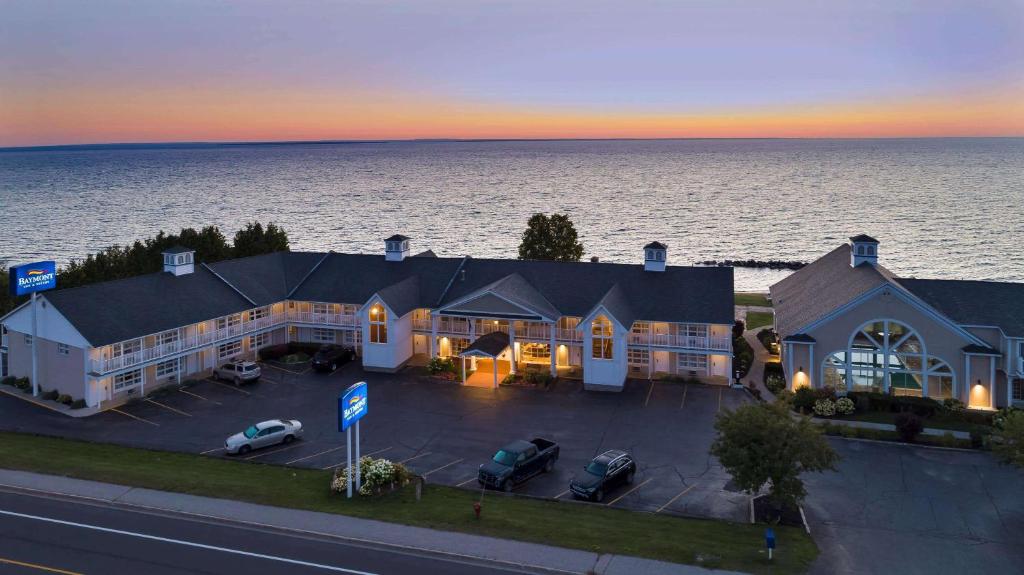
<point>490,345</point>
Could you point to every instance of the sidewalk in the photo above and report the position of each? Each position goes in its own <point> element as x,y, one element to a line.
<point>530,556</point>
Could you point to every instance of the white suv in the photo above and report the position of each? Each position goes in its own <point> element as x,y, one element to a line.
<point>238,371</point>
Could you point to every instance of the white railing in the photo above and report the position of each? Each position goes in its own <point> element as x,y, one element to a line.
<point>445,325</point>
<point>562,334</point>
<point>421,324</point>
<point>339,319</point>
<point>487,327</point>
<point>682,341</point>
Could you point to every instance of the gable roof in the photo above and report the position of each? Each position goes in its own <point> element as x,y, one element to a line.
<point>972,302</point>
<point>402,297</point>
<point>490,345</point>
<point>655,246</point>
<point>863,238</point>
<point>615,303</point>
<point>820,287</point>
<point>128,308</point>
<point>267,278</point>
<point>510,295</point>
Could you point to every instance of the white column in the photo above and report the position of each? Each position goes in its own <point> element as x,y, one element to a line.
<point>553,350</point>
<point>992,382</point>
<point>35,347</point>
<point>433,335</point>
<point>463,360</point>
<point>495,371</point>
<point>1009,390</point>
<point>511,348</point>
<point>968,384</point>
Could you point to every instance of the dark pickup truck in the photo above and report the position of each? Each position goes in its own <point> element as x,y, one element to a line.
<point>517,462</point>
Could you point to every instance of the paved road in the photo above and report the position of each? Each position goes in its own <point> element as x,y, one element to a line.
<point>40,535</point>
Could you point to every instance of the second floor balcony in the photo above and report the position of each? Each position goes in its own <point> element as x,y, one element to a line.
<point>713,343</point>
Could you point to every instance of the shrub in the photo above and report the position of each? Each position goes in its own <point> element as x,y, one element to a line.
<point>847,431</point>
<point>803,399</point>
<point>78,404</point>
<point>977,439</point>
<point>272,352</point>
<point>438,365</point>
<point>23,384</point>
<point>9,380</point>
<point>50,395</point>
<point>65,399</point>
<point>824,408</point>
<point>1009,436</point>
<point>953,405</point>
<point>376,475</point>
<point>948,439</point>
<point>908,426</point>
<point>774,377</point>
<point>845,406</point>
<point>768,339</point>
<point>862,401</point>
<point>738,328</point>
<point>920,406</point>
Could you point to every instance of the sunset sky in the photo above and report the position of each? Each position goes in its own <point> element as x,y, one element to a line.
<point>135,71</point>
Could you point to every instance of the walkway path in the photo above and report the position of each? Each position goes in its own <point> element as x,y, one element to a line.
<point>756,374</point>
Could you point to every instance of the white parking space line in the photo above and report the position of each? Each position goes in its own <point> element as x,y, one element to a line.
<point>415,457</point>
<point>135,417</point>
<point>467,481</point>
<point>559,496</point>
<point>443,467</point>
<point>231,387</point>
<point>38,567</point>
<point>199,396</point>
<point>680,494</point>
<point>167,407</point>
<point>314,455</point>
<point>649,391</point>
<point>686,387</point>
<point>288,448</point>
<point>340,463</point>
<point>613,501</point>
<point>211,450</point>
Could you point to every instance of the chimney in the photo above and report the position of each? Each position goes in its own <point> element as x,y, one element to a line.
<point>179,260</point>
<point>863,250</point>
<point>655,254</point>
<point>396,248</point>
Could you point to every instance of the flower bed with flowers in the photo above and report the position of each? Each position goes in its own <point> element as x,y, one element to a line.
<point>377,476</point>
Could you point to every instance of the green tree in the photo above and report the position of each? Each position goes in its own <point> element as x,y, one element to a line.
<point>550,238</point>
<point>1008,437</point>
<point>255,239</point>
<point>761,444</point>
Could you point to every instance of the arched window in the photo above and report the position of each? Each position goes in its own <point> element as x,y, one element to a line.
<point>601,331</point>
<point>885,355</point>
<point>378,324</point>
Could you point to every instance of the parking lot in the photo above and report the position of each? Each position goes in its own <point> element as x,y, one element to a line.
<point>443,431</point>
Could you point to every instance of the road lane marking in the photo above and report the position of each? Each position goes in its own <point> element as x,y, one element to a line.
<point>649,390</point>
<point>231,387</point>
<point>415,457</point>
<point>474,478</point>
<point>135,417</point>
<point>199,396</point>
<point>686,387</point>
<point>185,543</point>
<point>38,567</point>
<point>680,494</point>
<point>314,455</point>
<point>443,466</point>
<point>168,407</point>
<point>559,496</point>
<point>211,450</point>
<point>613,501</point>
<point>340,463</point>
<point>274,451</point>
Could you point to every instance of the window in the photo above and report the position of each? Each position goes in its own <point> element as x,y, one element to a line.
<point>638,356</point>
<point>229,321</point>
<point>28,339</point>
<point>322,308</point>
<point>258,313</point>
<point>690,330</point>
<point>167,337</point>
<point>602,344</point>
<point>63,349</point>
<point>640,328</point>
<point>887,355</point>
<point>1018,389</point>
<point>166,368</point>
<point>127,380</point>
<point>378,324</point>
<point>535,352</point>
<point>125,348</point>
<point>323,335</point>
<point>229,349</point>
<point>691,361</point>
<point>260,340</point>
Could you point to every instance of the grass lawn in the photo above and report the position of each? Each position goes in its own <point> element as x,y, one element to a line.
<point>734,546</point>
<point>757,319</point>
<point>751,299</point>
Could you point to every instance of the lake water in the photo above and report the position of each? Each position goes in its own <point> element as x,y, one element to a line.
<point>946,208</point>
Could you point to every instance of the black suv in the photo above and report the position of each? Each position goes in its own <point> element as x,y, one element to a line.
<point>329,357</point>
<point>605,472</point>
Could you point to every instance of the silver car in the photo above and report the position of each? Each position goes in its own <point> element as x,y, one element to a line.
<point>238,371</point>
<point>271,432</point>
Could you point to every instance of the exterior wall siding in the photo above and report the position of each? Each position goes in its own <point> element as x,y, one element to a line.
<point>65,373</point>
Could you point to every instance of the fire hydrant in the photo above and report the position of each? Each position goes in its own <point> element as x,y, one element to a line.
<point>476,509</point>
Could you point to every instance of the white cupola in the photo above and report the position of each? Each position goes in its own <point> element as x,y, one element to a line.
<point>863,250</point>
<point>179,260</point>
<point>655,256</point>
<point>396,248</point>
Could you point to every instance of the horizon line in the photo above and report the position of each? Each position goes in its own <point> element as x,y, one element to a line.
<point>213,143</point>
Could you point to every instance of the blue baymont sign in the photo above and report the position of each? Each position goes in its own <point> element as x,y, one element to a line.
<point>352,405</point>
<point>28,278</point>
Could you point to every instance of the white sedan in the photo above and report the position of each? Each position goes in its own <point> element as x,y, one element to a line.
<point>262,434</point>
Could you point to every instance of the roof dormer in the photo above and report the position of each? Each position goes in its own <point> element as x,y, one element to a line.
<point>863,250</point>
<point>396,248</point>
<point>655,256</point>
<point>179,260</point>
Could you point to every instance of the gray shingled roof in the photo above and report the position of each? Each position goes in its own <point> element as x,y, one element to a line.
<point>402,297</point>
<point>971,302</point>
<point>820,287</point>
<point>268,278</point>
<point>490,344</point>
<point>518,291</point>
<point>618,306</point>
<point>114,311</point>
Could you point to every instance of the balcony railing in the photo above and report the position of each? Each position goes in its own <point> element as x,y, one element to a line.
<point>421,324</point>
<point>335,319</point>
<point>680,341</point>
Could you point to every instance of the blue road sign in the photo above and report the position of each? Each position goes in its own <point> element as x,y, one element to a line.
<point>34,277</point>
<point>769,538</point>
<point>352,405</point>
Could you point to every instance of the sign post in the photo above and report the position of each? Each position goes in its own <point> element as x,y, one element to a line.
<point>31,279</point>
<point>352,406</point>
